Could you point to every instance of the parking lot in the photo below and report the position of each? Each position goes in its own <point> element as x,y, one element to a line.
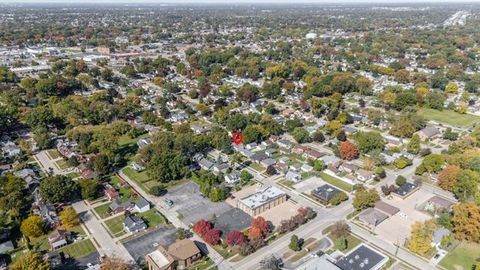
<point>308,185</point>
<point>188,202</point>
<point>233,220</point>
<point>396,229</point>
<point>147,243</point>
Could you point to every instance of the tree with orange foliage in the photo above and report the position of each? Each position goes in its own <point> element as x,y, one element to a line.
<point>448,177</point>
<point>259,228</point>
<point>466,221</point>
<point>348,150</point>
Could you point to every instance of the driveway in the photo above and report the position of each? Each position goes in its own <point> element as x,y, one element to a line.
<point>147,243</point>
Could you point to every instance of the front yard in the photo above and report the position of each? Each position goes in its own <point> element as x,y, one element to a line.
<point>79,249</point>
<point>102,210</point>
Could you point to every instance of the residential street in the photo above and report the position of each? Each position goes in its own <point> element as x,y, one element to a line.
<point>107,245</point>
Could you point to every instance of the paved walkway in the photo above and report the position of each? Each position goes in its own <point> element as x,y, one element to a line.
<point>95,229</point>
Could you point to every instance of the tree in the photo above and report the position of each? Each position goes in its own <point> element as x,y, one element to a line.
<point>342,136</point>
<point>466,185</point>
<point>212,237</point>
<point>413,146</point>
<point>32,226</point>
<point>31,261</point>
<point>300,135</point>
<point>101,165</point>
<point>259,228</point>
<point>450,135</point>
<point>340,230</point>
<point>466,221</point>
<point>433,163</point>
<point>400,181</point>
<point>157,190</point>
<point>421,237</point>
<point>245,177</point>
<point>253,133</point>
<point>295,243</point>
<point>318,136</point>
<point>69,218</point>
<point>369,141</point>
<point>338,198</point>
<point>114,263</point>
<point>235,238</point>
<point>182,234</point>
<point>380,172</point>
<point>89,188</point>
<point>451,88</point>
<point>348,150</point>
<point>365,198</point>
<point>448,177</point>
<point>202,227</point>
<point>58,189</point>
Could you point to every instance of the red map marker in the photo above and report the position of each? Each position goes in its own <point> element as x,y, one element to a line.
<point>237,137</point>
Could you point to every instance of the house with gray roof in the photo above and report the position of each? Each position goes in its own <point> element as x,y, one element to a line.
<point>427,133</point>
<point>142,205</point>
<point>134,224</point>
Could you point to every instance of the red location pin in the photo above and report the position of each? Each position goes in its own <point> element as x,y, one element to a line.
<point>237,137</point>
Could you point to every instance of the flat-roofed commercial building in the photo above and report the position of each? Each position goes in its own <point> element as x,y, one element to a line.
<point>262,200</point>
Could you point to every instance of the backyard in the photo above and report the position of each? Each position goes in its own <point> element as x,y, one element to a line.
<point>449,117</point>
<point>462,257</point>
<point>151,217</point>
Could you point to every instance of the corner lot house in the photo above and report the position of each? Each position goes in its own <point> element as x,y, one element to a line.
<point>325,193</point>
<point>142,205</point>
<point>262,201</point>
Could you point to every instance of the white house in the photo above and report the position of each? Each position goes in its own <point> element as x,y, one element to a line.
<point>142,205</point>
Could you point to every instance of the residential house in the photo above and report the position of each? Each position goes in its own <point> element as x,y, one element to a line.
<point>405,190</point>
<point>364,175</point>
<point>306,168</point>
<point>293,176</point>
<point>137,166</point>
<point>428,133</point>
<point>142,205</point>
<point>134,224</point>
<point>270,152</point>
<point>312,154</point>
<point>348,167</point>
<point>117,206</point>
<point>6,247</point>
<point>438,235</point>
<point>205,164</point>
<point>59,238</point>
<point>54,258</point>
<point>10,149</point>
<point>110,192</point>
<point>232,178</point>
<point>144,142</point>
<point>268,162</point>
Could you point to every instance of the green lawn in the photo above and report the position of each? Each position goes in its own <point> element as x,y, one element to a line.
<point>126,140</point>
<point>62,164</point>
<point>462,257</point>
<point>203,264</point>
<point>102,210</point>
<point>40,244</point>
<point>115,225</point>
<point>449,117</point>
<point>139,177</point>
<point>79,249</point>
<point>54,154</point>
<point>125,192</point>
<point>152,217</point>
<point>73,175</point>
<point>352,242</point>
<point>336,182</point>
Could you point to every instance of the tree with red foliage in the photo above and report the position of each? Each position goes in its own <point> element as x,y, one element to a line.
<point>259,228</point>
<point>212,237</point>
<point>202,227</point>
<point>235,238</point>
<point>348,150</point>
